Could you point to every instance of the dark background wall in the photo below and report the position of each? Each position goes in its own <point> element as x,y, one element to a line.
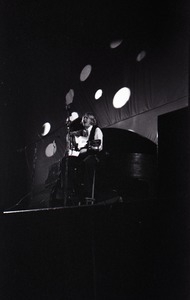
<point>134,250</point>
<point>45,46</point>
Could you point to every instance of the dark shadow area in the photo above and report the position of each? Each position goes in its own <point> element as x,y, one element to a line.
<point>136,250</point>
<point>129,247</point>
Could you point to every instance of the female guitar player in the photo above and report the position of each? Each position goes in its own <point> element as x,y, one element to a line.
<point>83,147</point>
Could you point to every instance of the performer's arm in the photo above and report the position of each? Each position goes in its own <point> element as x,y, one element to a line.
<point>99,136</point>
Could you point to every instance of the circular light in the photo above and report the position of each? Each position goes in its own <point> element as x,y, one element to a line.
<point>46,128</point>
<point>85,73</point>
<point>98,94</point>
<point>51,149</point>
<point>121,97</point>
<point>74,116</point>
<point>115,44</point>
<point>69,97</point>
<point>141,55</point>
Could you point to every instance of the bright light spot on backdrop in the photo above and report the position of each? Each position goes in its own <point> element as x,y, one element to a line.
<point>121,97</point>
<point>115,44</point>
<point>46,128</point>
<point>51,149</point>
<point>98,94</point>
<point>85,73</point>
<point>141,55</point>
<point>73,116</point>
<point>69,97</point>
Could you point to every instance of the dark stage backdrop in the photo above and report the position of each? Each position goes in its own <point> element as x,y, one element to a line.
<point>45,48</point>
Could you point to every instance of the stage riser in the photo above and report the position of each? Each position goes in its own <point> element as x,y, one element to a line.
<point>173,153</point>
<point>105,252</point>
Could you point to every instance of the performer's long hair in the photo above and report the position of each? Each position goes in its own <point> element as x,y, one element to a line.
<point>91,116</point>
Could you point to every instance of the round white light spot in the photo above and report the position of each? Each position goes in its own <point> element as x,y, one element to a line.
<point>121,97</point>
<point>141,55</point>
<point>69,97</point>
<point>85,73</point>
<point>98,94</point>
<point>46,128</point>
<point>74,116</point>
<point>51,149</point>
<point>115,44</point>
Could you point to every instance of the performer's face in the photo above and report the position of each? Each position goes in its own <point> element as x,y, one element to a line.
<point>86,121</point>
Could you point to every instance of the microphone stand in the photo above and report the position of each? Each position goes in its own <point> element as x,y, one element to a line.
<point>31,192</point>
<point>33,170</point>
<point>67,156</point>
<point>34,160</point>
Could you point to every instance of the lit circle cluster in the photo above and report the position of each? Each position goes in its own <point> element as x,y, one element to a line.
<point>120,98</point>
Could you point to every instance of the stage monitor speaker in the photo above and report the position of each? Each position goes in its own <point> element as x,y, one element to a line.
<point>173,153</point>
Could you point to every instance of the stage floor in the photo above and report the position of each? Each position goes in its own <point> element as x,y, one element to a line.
<point>116,250</point>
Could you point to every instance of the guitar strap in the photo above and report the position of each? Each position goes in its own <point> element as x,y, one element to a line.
<point>92,133</point>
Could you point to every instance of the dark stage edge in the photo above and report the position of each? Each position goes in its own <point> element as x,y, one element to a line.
<point>117,199</point>
<point>128,250</point>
